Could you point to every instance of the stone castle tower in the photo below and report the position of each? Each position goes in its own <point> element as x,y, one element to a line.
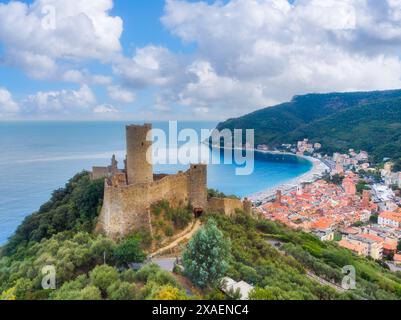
<point>139,154</point>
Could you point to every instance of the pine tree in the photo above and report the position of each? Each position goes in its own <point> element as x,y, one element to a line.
<point>206,256</point>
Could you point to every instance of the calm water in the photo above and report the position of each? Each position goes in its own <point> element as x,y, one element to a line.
<point>39,157</point>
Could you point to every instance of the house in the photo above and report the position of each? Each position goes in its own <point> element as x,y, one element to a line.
<point>357,248</point>
<point>324,235</point>
<point>388,218</point>
<point>397,259</point>
<point>364,245</point>
<point>229,286</point>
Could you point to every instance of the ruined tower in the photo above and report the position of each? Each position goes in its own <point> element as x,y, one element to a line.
<point>198,186</point>
<point>139,165</point>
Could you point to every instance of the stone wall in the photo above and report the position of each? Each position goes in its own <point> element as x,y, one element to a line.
<point>126,208</point>
<point>226,206</point>
<point>197,186</point>
<point>99,173</point>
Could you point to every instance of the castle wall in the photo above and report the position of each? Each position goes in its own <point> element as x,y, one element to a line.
<point>126,208</point>
<point>99,173</point>
<point>226,206</point>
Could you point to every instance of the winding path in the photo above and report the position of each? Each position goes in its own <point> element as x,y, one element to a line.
<point>187,234</point>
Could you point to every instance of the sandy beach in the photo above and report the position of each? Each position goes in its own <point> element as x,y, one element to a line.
<point>317,171</point>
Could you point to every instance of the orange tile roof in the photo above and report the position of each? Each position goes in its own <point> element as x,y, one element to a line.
<point>389,246</point>
<point>372,237</point>
<point>397,257</point>
<point>323,223</point>
<point>391,216</point>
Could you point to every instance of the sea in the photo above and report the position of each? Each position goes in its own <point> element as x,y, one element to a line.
<point>38,157</point>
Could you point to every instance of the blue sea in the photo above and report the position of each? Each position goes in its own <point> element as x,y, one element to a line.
<point>39,157</point>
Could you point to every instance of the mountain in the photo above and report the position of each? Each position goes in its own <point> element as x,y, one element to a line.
<point>368,121</point>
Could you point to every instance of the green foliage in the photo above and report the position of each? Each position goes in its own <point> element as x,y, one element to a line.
<point>121,290</point>
<point>74,207</point>
<point>129,251</point>
<point>284,276</point>
<point>368,121</point>
<point>169,292</point>
<point>103,277</point>
<point>206,256</point>
<point>90,293</point>
<point>212,193</point>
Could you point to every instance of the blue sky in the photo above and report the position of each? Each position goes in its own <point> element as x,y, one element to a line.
<point>187,59</point>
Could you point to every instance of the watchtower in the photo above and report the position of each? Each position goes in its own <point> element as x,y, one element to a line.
<point>139,165</point>
<point>198,186</point>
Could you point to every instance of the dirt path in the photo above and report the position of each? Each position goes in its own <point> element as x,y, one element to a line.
<point>176,242</point>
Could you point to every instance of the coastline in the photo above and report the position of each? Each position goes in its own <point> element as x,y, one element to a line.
<point>316,172</point>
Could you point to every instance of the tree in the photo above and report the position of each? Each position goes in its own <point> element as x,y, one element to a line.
<point>121,290</point>
<point>103,276</point>
<point>8,294</point>
<point>169,292</point>
<point>90,293</point>
<point>129,251</point>
<point>205,258</point>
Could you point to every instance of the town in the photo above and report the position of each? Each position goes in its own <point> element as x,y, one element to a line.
<point>352,202</point>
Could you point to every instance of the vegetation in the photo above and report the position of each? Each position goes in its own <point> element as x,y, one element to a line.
<point>129,251</point>
<point>276,260</point>
<point>368,121</point>
<point>74,207</point>
<point>205,258</point>
<point>284,276</point>
<point>167,221</point>
<point>212,193</point>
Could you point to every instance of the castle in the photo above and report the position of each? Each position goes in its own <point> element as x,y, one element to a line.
<point>129,193</point>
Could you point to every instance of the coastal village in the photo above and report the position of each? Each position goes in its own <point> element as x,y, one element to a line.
<point>341,199</point>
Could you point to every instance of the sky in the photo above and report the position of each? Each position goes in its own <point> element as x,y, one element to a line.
<point>187,59</point>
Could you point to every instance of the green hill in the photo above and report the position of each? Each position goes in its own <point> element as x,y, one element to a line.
<point>61,234</point>
<point>368,121</point>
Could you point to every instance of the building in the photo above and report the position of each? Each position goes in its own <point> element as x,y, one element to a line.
<point>364,245</point>
<point>391,219</point>
<point>129,193</point>
<point>349,186</point>
<point>230,287</point>
<point>357,248</point>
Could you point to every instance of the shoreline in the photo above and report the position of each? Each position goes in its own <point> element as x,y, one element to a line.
<point>316,172</point>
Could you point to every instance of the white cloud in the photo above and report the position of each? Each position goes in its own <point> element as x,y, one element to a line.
<point>104,109</point>
<point>82,30</point>
<point>150,66</point>
<point>250,53</point>
<point>119,94</point>
<point>63,101</point>
<point>7,104</point>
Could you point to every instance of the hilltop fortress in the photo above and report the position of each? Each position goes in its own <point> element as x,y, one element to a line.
<point>129,193</point>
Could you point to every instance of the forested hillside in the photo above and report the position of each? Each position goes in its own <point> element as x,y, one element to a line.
<point>368,121</point>
<point>280,263</point>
